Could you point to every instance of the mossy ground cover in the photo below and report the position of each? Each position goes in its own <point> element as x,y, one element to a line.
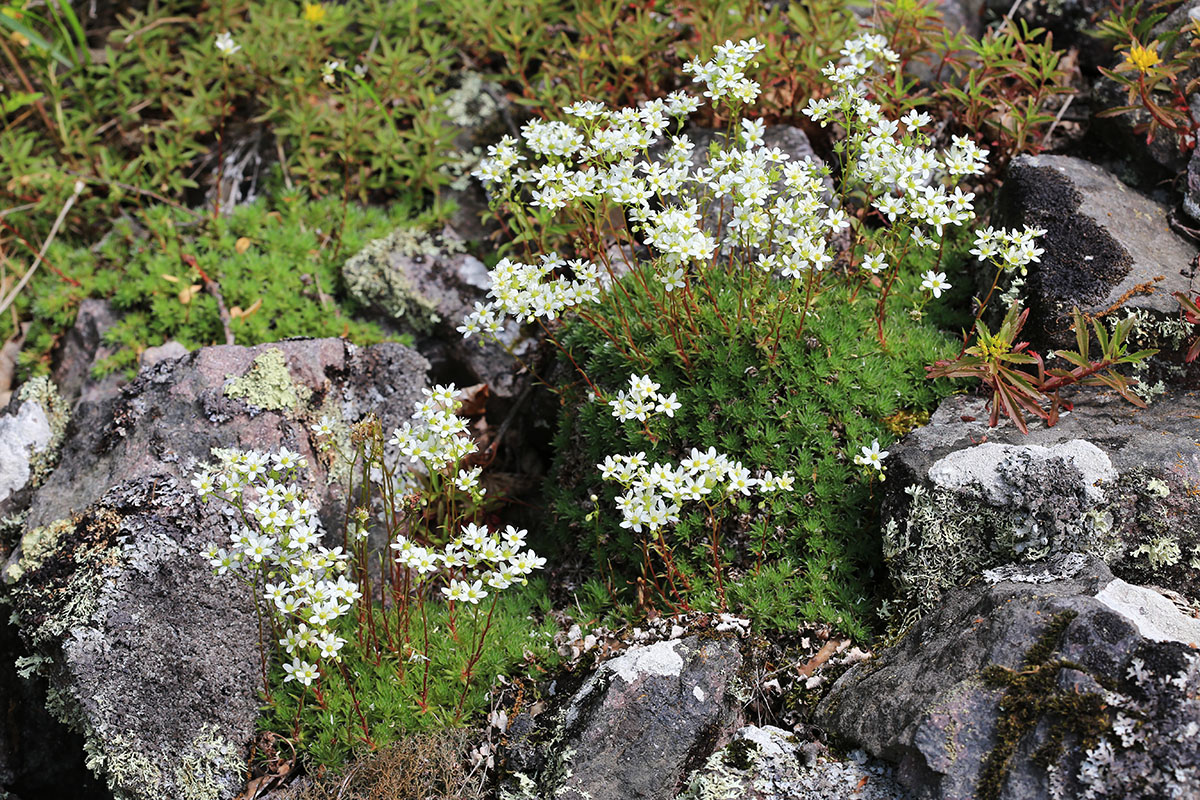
<point>809,555</point>
<point>277,263</point>
<point>391,698</point>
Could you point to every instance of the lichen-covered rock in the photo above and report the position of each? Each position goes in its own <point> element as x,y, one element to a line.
<point>1106,247</point>
<point>424,284</point>
<point>1061,682</point>
<point>768,763</point>
<point>635,729</point>
<point>1109,479</point>
<point>147,654</point>
<point>31,434</point>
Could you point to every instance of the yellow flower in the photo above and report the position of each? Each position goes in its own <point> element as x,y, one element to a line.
<point>314,13</point>
<point>1142,58</point>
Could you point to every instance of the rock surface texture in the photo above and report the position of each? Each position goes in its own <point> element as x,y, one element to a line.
<point>635,729</point>
<point>767,763</point>
<point>1060,682</point>
<point>1106,245</point>
<point>1108,479</point>
<point>151,657</point>
<point>425,285</point>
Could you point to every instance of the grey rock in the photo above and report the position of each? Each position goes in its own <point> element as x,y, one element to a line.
<point>1108,479</point>
<point>1106,246</point>
<point>147,654</point>
<point>426,285</point>
<point>82,350</point>
<point>1025,689</point>
<point>167,351</point>
<point>635,729</point>
<point>768,763</point>
<point>31,434</point>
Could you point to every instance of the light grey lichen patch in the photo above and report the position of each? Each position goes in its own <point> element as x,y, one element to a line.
<point>268,384</point>
<point>993,504</point>
<point>659,658</point>
<point>1156,617</point>
<point>768,763</point>
<point>31,439</point>
<point>376,276</point>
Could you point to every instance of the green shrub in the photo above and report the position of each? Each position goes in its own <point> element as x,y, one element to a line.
<point>811,554</point>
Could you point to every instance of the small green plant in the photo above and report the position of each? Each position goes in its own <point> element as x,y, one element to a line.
<point>360,645</point>
<point>1191,313</point>
<point>996,360</point>
<point>1154,85</point>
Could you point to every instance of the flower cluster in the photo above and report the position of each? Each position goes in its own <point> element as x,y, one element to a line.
<point>438,438</point>
<point>474,559</point>
<point>655,493</point>
<point>277,550</point>
<point>776,212</point>
<point>528,292</point>
<point>643,400</point>
<point>1008,250</point>
<point>724,75</point>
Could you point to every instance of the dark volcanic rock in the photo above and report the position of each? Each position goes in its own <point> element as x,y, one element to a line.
<point>635,729</point>
<point>1065,683</point>
<point>1109,479</point>
<point>82,349</point>
<point>148,655</point>
<point>1106,246</point>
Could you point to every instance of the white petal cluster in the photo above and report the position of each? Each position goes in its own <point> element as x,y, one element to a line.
<point>528,292</point>
<point>774,211</point>
<point>724,75</point>
<point>278,549</point>
<point>437,437</point>
<point>474,565</point>
<point>654,494</point>
<point>643,401</point>
<point>1008,250</point>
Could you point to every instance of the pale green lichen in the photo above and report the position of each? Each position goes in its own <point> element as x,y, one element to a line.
<point>268,384</point>
<point>41,390</point>
<point>375,276</point>
<point>36,544</point>
<point>945,540</point>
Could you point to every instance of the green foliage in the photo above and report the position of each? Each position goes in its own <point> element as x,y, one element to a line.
<point>996,360</point>
<point>811,554</point>
<point>277,266</point>
<point>387,691</point>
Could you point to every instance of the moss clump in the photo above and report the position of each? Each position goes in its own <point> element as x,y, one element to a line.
<point>1032,694</point>
<point>808,555</point>
<point>277,264</point>
<point>268,384</point>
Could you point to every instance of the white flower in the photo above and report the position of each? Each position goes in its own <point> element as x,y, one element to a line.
<point>935,282</point>
<point>872,456</point>
<point>300,671</point>
<point>225,45</point>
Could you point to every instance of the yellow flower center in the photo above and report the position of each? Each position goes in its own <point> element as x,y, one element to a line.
<point>1142,58</point>
<point>314,12</point>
